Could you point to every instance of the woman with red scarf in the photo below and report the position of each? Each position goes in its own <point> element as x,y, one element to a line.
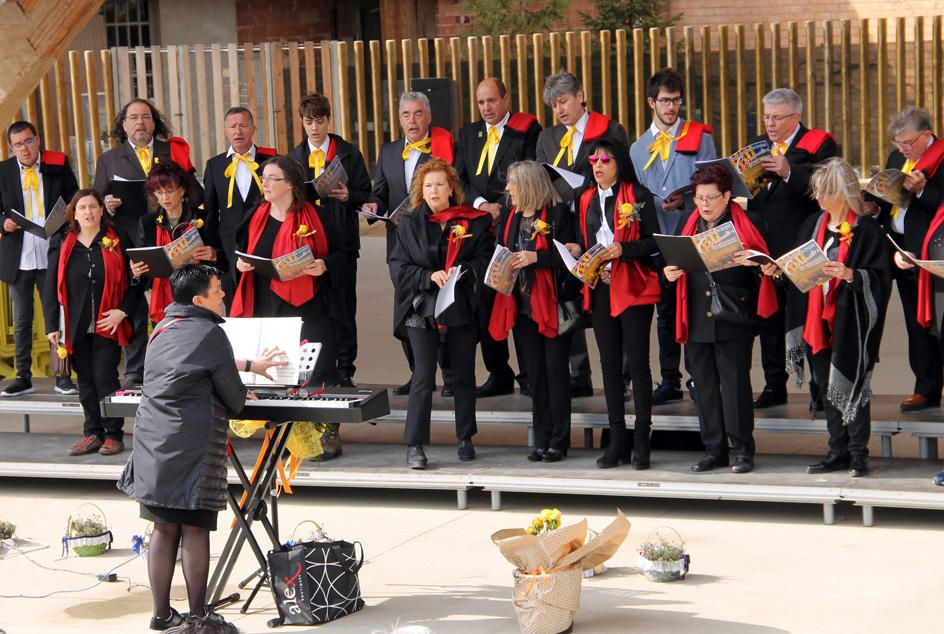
<point>719,351</point>
<point>618,213</point>
<point>177,213</point>
<point>838,325</point>
<point>88,277</point>
<point>439,236</point>
<point>529,229</point>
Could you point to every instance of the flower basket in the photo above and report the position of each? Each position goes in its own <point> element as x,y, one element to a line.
<point>87,534</point>
<point>663,559</point>
<point>6,530</point>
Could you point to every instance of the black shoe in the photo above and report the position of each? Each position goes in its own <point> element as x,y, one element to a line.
<point>580,390</point>
<point>524,388</point>
<point>402,390</point>
<point>640,459</point>
<point>690,386</point>
<point>816,405</point>
<point>859,466</point>
<point>161,624</point>
<point>666,394</point>
<point>709,463</point>
<point>938,480</point>
<point>616,449</point>
<point>416,457</point>
<point>536,455</point>
<point>552,455</point>
<point>627,393</point>
<point>65,386</point>
<point>346,382</point>
<point>465,450</point>
<point>743,464</point>
<point>832,462</point>
<point>18,387</point>
<point>447,391</point>
<point>495,387</point>
<point>770,397</point>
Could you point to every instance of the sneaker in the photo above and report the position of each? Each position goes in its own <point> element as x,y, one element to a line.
<point>111,447</point>
<point>18,387</point>
<point>89,444</point>
<point>64,385</point>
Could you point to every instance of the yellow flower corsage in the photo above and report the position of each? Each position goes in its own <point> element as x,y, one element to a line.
<point>459,233</point>
<point>540,227</point>
<point>198,223</point>
<point>628,212</point>
<point>61,351</point>
<point>108,244</point>
<point>845,232</point>
<point>160,219</point>
<point>302,232</point>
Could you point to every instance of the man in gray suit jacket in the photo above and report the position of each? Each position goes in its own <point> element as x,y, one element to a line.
<point>664,158</point>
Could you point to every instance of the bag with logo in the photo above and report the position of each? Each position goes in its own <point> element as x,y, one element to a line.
<point>315,581</point>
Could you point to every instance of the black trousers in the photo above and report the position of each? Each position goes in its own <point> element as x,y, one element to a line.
<point>670,351</point>
<point>924,356</point>
<point>626,335</point>
<point>494,353</point>
<point>95,361</point>
<point>344,295</point>
<point>580,372</point>
<point>134,351</point>
<point>773,347</point>
<point>722,375</point>
<point>426,342</point>
<point>21,293</point>
<point>321,329</point>
<point>843,439</point>
<point>546,364</point>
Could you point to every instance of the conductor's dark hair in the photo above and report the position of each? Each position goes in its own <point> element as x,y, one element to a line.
<point>161,129</point>
<point>314,106</point>
<point>667,79</point>
<point>20,126</point>
<point>624,166</point>
<point>191,280</point>
<point>713,174</point>
<point>209,625</point>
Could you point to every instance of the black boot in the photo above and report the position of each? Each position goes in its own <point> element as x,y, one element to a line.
<point>641,447</point>
<point>615,450</point>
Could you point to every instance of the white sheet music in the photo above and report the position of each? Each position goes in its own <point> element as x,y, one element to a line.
<point>447,294</point>
<point>250,336</point>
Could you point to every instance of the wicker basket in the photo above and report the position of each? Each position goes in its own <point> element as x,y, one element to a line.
<point>662,570</point>
<point>85,545</point>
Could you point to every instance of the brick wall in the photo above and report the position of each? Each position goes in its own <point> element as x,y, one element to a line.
<point>291,20</point>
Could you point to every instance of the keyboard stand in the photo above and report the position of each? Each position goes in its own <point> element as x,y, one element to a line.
<point>259,506</point>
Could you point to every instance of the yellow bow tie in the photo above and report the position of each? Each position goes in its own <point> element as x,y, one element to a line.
<point>905,169</point>
<point>663,144</point>
<point>316,161</point>
<point>780,149</point>
<point>144,158</point>
<point>231,170</point>
<point>423,146</point>
<point>491,147</point>
<point>31,187</point>
<point>566,145</point>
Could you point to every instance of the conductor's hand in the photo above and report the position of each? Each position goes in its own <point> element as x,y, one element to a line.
<point>317,269</point>
<point>838,270</point>
<point>9,226</point>
<point>53,338</point>
<point>672,273</point>
<point>778,165</point>
<point>110,320</point>
<point>139,268</point>
<point>573,248</point>
<point>440,277</point>
<point>112,203</point>
<point>340,192</point>
<point>672,203</point>
<point>613,251</point>
<point>902,263</point>
<point>915,181</point>
<point>205,254</point>
<point>244,267</point>
<point>268,358</point>
<point>521,259</point>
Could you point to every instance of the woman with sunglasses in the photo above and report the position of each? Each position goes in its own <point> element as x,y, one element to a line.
<point>619,214</point>
<point>176,214</point>
<point>535,219</point>
<point>719,351</point>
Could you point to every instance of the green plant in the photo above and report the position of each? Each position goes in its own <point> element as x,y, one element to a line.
<point>86,526</point>
<point>628,14</point>
<point>663,550</point>
<point>501,17</point>
<point>7,529</point>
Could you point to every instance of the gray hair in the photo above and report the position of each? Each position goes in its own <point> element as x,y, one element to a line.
<point>835,177</point>
<point>533,184</point>
<point>784,95</point>
<point>413,95</point>
<point>563,83</point>
<point>917,119</point>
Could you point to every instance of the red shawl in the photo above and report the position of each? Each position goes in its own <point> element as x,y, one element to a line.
<point>543,296</point>
<point>631,283</point>
<point>931,159</point>
<point>180,153</point>
<point>116,286</point>
<point>299,290</point>
<point>820,312</point>
<point>690,143</point>
<point>441,144</point>
<point>925,305</point>
<point>751,239</point>
<point>160,288</point>
<point>461,215</point>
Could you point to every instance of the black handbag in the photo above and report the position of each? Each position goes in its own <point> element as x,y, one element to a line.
<point>732,304</point>
<point>568,316</point>
<point>316,582</point>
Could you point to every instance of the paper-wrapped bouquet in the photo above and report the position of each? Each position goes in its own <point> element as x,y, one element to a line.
<point>549,567</point>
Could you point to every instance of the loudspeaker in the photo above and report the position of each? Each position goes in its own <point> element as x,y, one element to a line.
<point>443,95</point>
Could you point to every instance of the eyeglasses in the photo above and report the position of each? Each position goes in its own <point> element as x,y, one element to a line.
<point>24,143</point>
<point>160,193</point>
<point>139,117</point>
<point>707,200</point>
<point>599,158</point>
<point>779,118</point>
<point>667,101</point>
<point>271,179</point>
<point>904,144</point>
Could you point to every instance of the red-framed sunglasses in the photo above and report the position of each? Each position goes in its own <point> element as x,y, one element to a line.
<point>599,158</point>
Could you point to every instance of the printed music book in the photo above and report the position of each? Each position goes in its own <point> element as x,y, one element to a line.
<point>392,217</point>
<point>934,267</point>
<point>283,268</point>
<point>250,336</point>
<point>746,168</point>
<point>500,275</point>
<point>888,185</point>
<point>804,266</point>
<point>332,176</point>
<point>55,219</point>
<point>588,267</point>
<point>134,203</point>
<point>164,260</point>
<point>709,251</point>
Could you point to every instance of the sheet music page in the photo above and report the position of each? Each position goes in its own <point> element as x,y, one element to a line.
<point>181,250</point>
<point>499,274</point>
<point>804,266</point>
<point>717,247</point>
<point>250,336</point>
<point>447,294</point>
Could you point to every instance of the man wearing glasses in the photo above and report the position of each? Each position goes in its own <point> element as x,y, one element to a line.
<point>779,209</point>
<point>30,182</point>
<point>918,153</point>
<point>664,158</point>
